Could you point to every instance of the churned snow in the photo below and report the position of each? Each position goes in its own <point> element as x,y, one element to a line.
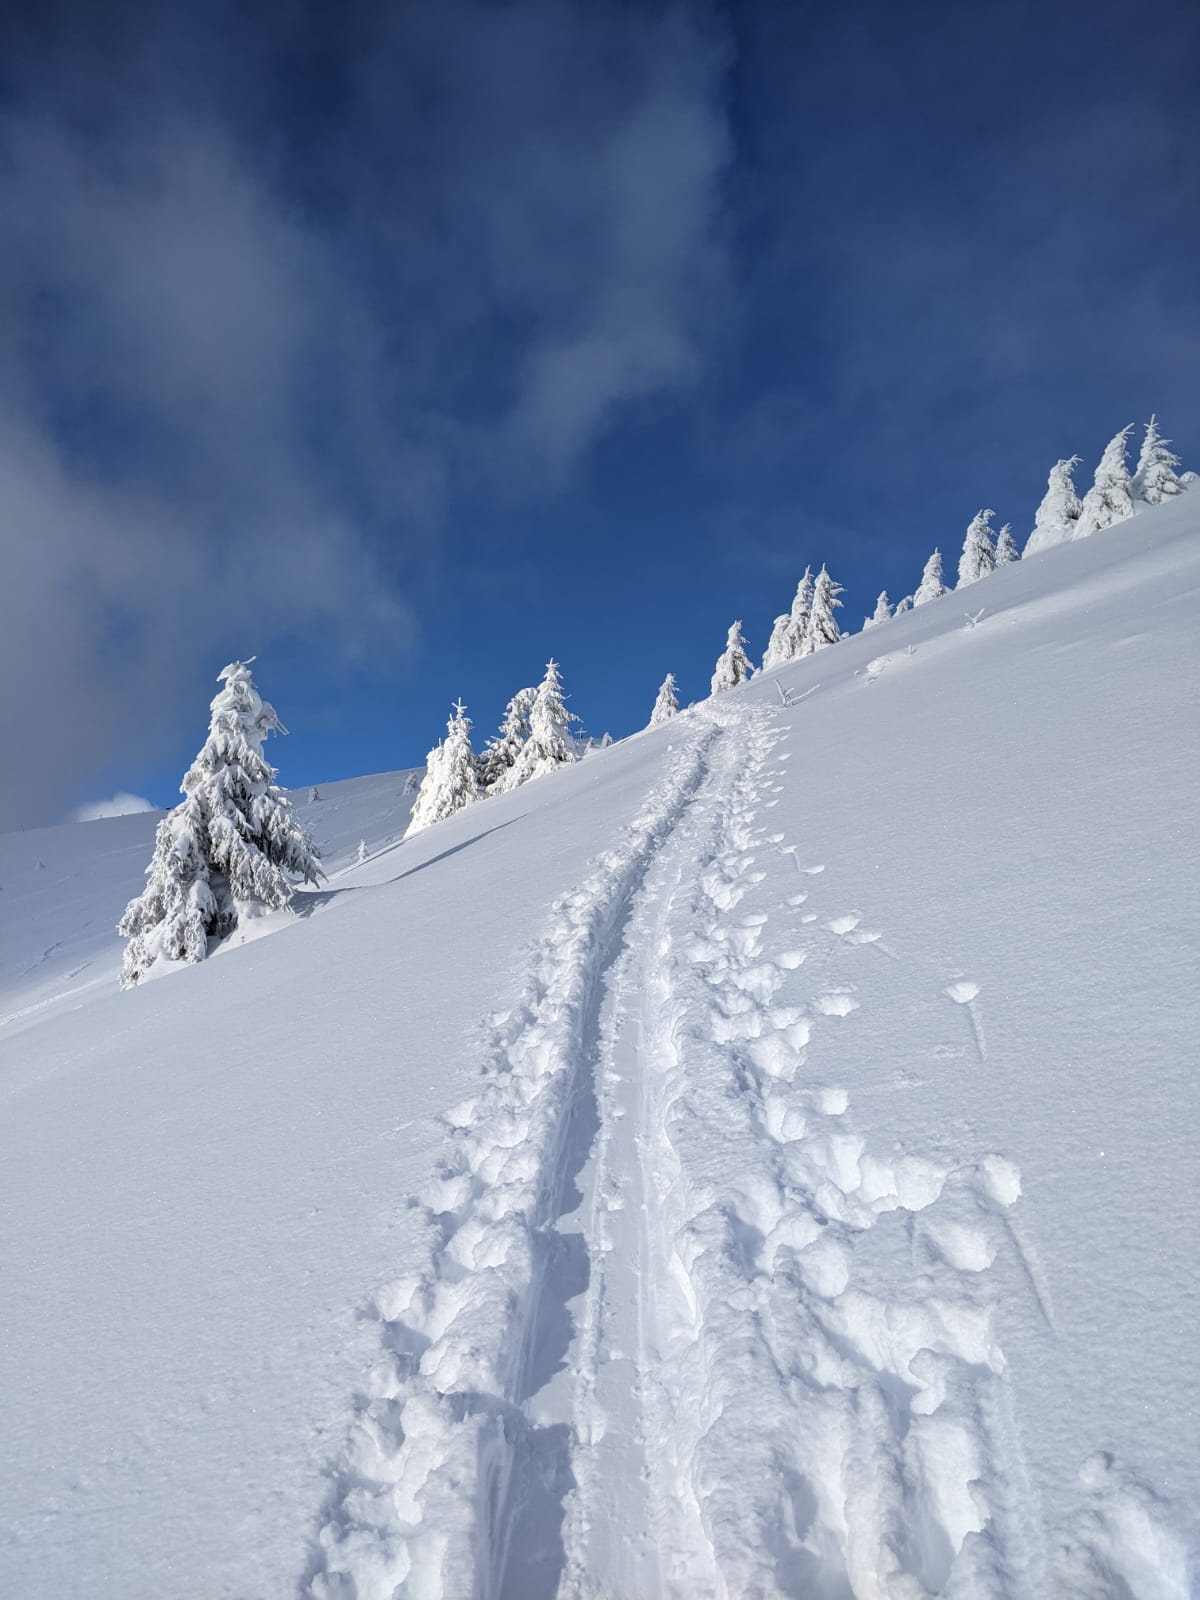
<point>756,1161</point>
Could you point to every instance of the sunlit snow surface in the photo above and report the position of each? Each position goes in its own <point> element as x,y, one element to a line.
<point>758,1161</point>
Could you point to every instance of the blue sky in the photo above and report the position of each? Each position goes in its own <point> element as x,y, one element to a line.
<point>404,346</point>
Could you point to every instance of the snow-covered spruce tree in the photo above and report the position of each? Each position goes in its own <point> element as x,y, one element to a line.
<point>1109,499</point>
<point>451,777</point>
<point>549,745</point>
<point>1006,547</point>
<point>903,605</point>
<point>932,585</point>
<point>1156,479</point>
<point>978,552</point>
<point>733,664</point>
<point>822,628</point>
<point>1057,516</point>
<point>881,613</point>
<point>778,649</point>
<point>232,846</point>
<point>801,610</point>
<point>788,633</point>
<point>667,702</point>
<point>500,753</point>
<point>361,852</point>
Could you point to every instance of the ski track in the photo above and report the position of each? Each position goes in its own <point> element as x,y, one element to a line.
<point>424,1503</point>
<point>684,1331</point>
<point>805,1421</point>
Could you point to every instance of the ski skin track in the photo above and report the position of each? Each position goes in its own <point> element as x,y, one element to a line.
<point>422,1504</point>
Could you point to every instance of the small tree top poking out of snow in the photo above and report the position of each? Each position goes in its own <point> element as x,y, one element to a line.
<point>978,553</point>
<point>1156,479</point>
<point>549,745</point>
<point>733,664</point>
<point>932,585</point>
<point>451,781</point>
<point>1109,499</point>
<point>881,613</point>
<point>233,844</point>
<point>1006,547</point>
<point>822,628</point>
<point>667,702</point>
<point>1058,513</point>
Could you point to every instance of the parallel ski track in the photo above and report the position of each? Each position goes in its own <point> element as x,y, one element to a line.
<point>423,1504</point>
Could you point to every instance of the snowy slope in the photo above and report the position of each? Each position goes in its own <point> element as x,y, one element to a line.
<point>62,889</point>
<point>757,1161</point>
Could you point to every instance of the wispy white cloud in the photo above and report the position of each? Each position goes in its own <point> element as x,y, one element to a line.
<point>259,349</point>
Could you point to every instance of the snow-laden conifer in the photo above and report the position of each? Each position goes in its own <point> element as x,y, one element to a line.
<point>881,613</point>
<point>778,649</point>
<point>500,753</point>
<point>903,605</point>
<point>822,628</point>
<point>733,664</point>
<point>932,585</point>
<point>451,776</point>
<point>787,635</point>
<point>1156,479</point>
<point>1058,515</point>
<point>361,852</point>
<point>1109,499</point>
<point>549,745</point>
<point>978,552</point>
<point>233,846</point>
<point>1006,547</point>
<point>666,703</point>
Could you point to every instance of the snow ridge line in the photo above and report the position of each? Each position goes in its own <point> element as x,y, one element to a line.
<point>830,1427</point>
<point>421,1503</point>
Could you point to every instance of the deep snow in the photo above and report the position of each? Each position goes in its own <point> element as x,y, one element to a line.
<point>759,1160</point>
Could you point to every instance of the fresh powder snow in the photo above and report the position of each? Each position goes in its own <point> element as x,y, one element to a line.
<point>756,1161</point>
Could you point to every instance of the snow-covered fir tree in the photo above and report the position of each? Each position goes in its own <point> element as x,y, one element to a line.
<point>1109,499</point>
<point>1006,547</point>
<point>778,648</point>
<point>666,703</point>
<point>822,628</point>
<point>232,847</point>
<point>1057,516</point>
<point>903,605</point>
<point>881,613</point>
<point>733,664</point>
<point>932,585</point>
<point>361,852</point>
<point>549,745</point>
<point>800,612</point>
<point>451,776</point>
<point>1156,479</point>
<point>978,552</point>
<point>314,794</point>
<point>787,635</point>
<point>500,753</point>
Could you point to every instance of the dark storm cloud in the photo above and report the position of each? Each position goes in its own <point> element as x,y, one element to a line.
<point>272,284</point>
